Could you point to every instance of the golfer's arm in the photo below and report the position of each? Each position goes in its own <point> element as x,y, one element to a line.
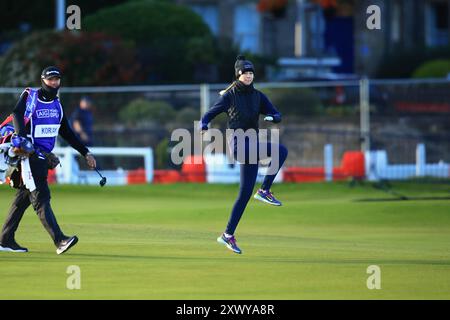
<point>67,134</point>
<point>267,108</point>
<point>18,115</point>
<point>220,106</point>
<point>76,126</point>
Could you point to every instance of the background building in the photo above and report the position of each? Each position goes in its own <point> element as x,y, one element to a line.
<point>329,29</point>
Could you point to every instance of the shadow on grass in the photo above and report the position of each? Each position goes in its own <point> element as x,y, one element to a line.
<point>227,257</point>
<point>401,199</point>
<point>249,259</point>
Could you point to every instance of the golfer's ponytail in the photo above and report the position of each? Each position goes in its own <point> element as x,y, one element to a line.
<point>231,86</point>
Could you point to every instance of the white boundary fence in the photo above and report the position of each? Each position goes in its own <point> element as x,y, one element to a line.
<point>205,93</point>
<point>69,173</point>
<point>377,166</point>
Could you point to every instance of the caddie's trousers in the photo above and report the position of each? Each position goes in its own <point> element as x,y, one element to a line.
<point>39,199</point>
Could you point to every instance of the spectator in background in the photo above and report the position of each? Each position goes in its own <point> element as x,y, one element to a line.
<point>82,121</point>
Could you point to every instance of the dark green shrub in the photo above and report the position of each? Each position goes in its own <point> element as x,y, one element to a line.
<point>41,14</point>
<point>187,116</point>
<point>295,101</point>
<point>433,69</point>
<point>173,40</point>
<point>162,154</point>
<point>84,59</point>
<point>142,111</point>
<point>402,63</point>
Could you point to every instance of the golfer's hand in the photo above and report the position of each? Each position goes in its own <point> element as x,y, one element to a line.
<point>268,118</point>
<point>90,160</point>
<point>21,153</point>
<point>203,129</point>
<point>84,137</point>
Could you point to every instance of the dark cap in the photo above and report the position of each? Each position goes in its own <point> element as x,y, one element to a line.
<point>50,72</point>
<point>242,66</point>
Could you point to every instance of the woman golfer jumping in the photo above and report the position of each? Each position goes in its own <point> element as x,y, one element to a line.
<point>243,104</point>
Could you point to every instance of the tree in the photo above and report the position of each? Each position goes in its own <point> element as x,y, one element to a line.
<point>433,69</point>
<point>40,15</point>
<point>84,59</point>
<point>173,40</point>
<point>141,111</point>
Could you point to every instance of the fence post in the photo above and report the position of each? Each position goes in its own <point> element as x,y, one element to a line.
<point>364,107</point>
<point>204,98</point>
<point>60,14</point>
<point>328,162</point>
<point>300,30</point>
<point>420,160</point>
<point>148,164</point>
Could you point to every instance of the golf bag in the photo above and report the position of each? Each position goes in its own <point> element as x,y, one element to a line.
<point>12,149</point>
<point>7,126</point>
<point>6,130</point>
<point>9,160</point>
<point>16,148</point>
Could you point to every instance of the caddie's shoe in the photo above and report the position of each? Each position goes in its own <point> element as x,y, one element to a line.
<point>12,246</point>
<point>66,244</point>
<point>230,243</point>
<point>267,197</point>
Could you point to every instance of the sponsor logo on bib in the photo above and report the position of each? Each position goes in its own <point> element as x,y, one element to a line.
<point>47,113</point>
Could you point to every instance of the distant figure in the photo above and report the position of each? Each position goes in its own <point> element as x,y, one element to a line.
<point>82,121</point>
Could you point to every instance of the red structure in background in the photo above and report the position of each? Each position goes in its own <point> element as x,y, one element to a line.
<point>303,174</point>
<point>275,7</point>
<point>327,4</point>
<point>51,178</point>
<point>136,176</point>
<point>194,170</point>
<point>352,166</point>
<point>166,176</point>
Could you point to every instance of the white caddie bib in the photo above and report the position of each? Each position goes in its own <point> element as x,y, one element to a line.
<point>46,130</point>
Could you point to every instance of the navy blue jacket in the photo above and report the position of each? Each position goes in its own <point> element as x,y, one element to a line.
<point>244,105</point>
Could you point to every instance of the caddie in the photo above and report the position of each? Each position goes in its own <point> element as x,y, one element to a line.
<point>38,119</point>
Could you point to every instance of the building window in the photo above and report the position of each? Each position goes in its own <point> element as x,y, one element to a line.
<point>436,24</point>
<point>396,19</point>
<point>247,27</point>
<point>210,15</point>
<point>316,27</point>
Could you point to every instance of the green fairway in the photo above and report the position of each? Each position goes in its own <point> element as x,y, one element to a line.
<point>159,242</point>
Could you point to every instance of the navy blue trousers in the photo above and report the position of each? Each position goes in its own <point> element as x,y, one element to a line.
<point>248,175</point>
<point>39,199</point>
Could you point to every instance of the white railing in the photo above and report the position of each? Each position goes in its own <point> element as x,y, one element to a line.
<point>69,173</point>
